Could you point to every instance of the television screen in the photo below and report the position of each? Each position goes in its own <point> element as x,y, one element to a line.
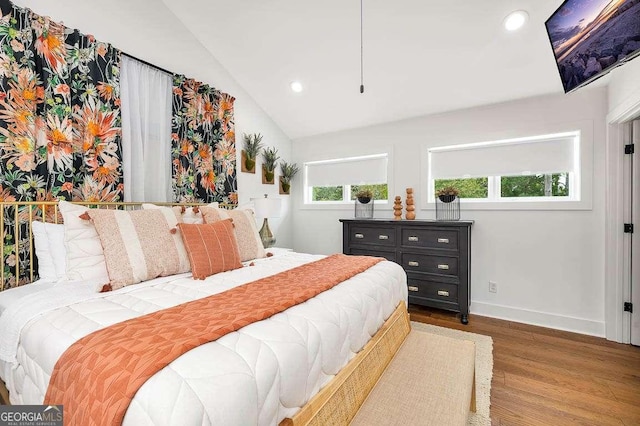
<point>591,37</point>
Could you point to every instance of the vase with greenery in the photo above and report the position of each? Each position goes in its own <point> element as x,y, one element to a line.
<point>289,170</point>
<point>447,194</point>
<point>364,196</point>
<point>270,158</point>
<point>252,146</point>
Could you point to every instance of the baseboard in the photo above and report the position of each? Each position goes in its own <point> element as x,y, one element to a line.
<point>542,319</point>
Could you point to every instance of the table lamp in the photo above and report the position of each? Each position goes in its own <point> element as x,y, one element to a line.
<point>266,208</point>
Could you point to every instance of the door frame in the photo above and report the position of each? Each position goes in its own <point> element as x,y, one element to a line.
<point>617,252</point>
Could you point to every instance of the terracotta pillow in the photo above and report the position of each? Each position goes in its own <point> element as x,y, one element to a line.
<point>245,229</point>
<point>139,245</point>
<point>212,247</point>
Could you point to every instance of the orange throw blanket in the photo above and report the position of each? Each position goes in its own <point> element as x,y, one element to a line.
<point>98,376</point>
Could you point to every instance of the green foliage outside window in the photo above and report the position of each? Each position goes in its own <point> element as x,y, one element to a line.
<point>380,192</point>
<point>334,193</point>
<point>327,193</point>
<point>540,185</point>
<point>469,188</point>
<point>555,185</point>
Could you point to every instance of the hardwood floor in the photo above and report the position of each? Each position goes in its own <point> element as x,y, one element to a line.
<point>543,376</point>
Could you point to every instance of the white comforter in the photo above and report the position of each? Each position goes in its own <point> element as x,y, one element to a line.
<point>258,375</point>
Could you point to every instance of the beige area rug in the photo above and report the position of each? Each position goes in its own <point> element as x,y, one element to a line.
<point>484,368</point>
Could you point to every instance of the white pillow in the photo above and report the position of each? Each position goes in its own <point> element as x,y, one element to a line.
<point>55,232</point>
<point>48,239</point>
<point>85,257</point>
<point>46,270</point>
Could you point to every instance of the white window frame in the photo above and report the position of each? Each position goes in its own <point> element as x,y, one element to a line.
<point>346,196</point>
<point>494,192</point>
<point>346,189</point>
<point>579,195</point>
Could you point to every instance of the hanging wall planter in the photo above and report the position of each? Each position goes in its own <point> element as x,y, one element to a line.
<point>248,165</point>
<point>268,176</point>
<point>269,158</point>
<point>285,188</point>
<point>252,146</point>
<point>288,173</point>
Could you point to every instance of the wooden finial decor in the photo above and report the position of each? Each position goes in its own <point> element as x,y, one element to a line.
<point>397,208</point>
<point>411,213</point>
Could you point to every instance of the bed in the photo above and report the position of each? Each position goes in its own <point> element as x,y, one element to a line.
<point>323,354</point>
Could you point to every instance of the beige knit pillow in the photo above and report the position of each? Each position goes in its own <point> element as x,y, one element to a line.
<point>139,245</point>
<point>183,214</point>
<point>245,228</point>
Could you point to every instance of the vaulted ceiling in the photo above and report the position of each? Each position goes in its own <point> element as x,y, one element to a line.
<point>420,56</point>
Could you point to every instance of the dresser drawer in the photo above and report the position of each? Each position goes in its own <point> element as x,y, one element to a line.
<point>435,256</point>
<point>389,255</point>
<point>433,290</point>
<point>429,264</point>
<point>372,235</point>
<point>430,238</point>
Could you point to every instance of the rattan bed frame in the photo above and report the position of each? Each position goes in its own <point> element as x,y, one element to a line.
<point>336,404</point>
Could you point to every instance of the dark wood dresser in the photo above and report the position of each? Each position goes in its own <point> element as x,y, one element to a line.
<point>436,256</point>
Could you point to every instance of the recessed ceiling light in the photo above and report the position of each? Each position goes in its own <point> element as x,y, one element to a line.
<point>296,86</point>
<point>515,20</point>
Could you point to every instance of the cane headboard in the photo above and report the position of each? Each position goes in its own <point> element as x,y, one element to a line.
<point>19,265</point>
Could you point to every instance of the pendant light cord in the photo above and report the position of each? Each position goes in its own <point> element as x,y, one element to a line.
<point>361,52</point>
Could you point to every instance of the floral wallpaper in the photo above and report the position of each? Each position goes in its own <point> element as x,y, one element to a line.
<point>59,116</point>
<point>203,143</point>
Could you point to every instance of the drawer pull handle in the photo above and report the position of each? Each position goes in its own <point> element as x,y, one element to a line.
<point>412,288</point>
<point>383,237</point>
<point>443,293</point>
<point>412,263</point>
<point>443,267</point>
<point>443,240</point>
<point>359,236</point>
<point>412,238</point>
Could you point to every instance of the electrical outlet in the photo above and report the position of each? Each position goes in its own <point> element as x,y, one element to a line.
<point>493,287</point>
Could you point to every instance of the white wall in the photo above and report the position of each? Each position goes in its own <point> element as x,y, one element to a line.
<point>624,87</point>
<point>549,265</point>
<point>148,30</point>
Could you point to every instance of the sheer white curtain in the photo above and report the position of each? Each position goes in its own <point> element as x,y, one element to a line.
<point>145,94</point>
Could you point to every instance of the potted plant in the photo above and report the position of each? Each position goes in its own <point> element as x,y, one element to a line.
<point>288,172</point>
<point>364,196</point>
<point>252,146</point>
<point>447,194</point>
<point>269,158</point>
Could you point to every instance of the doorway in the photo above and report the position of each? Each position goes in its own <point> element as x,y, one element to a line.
<point>633,132</point>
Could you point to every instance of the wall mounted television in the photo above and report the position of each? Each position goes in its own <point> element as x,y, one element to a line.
<point>591,37</point>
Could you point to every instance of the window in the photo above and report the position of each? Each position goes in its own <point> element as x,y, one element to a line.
<point>327,193</point>
<point>548,185</point>
<point>338,181</point>
<point>469,188</point>
<point>540,168</point>
<point>380,191</point>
